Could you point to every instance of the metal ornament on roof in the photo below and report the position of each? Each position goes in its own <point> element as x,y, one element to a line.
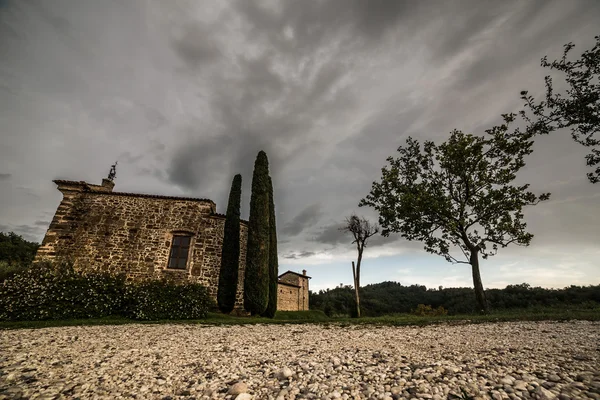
<point>113,171</point>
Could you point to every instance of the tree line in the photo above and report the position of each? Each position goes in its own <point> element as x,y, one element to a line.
<point>388,298</point>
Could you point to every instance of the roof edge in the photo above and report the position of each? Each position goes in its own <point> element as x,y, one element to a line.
<point>295,273</point>
<point>129,194</point>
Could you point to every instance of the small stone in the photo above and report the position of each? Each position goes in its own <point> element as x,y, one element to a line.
<point>285,373</point>
<point>554,378</point>
<point>238,388</point>
<point>520,385</point>
<point>507,381</point>
<point>544,394</point>
<point>243,396</point>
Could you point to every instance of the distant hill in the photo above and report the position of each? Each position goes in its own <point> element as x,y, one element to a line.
<point>392,297</point>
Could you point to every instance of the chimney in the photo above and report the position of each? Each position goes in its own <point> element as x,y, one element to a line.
<point>108,185</point>
<point>304,272</point>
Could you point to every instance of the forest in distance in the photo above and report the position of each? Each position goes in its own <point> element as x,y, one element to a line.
<point>388,298</point>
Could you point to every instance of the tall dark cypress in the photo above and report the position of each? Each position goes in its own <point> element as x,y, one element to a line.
<point>256,277</point>
<point>230,256</point>
<point>273,261</point>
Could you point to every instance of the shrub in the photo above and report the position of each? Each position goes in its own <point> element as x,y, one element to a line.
<point>8,270</point>
<point>47,291</point>
<point>153,300</point>
<point>56,291</point>
<point>423,310</point>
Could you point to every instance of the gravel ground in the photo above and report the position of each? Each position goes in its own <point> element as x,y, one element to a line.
<point>499,361</point>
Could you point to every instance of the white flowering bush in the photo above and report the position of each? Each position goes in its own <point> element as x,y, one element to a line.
<point>57,291</point>
<point>48,291</point>
<point>154,300</point>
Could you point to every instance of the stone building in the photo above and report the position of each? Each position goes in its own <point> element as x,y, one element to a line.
<point>145,236</point>
<point>293,291</point>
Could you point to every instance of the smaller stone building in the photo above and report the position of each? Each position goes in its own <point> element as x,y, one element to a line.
<point>293,291</point>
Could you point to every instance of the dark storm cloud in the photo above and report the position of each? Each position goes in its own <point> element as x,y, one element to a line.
<point>5,177</point>
<point>253,106</point>
<point>305,218</point>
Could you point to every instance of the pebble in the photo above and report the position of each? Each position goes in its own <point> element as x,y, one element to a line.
<point>238,388</point>
<point>516,360</point>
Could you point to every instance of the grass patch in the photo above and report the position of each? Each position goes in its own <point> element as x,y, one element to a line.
<point>318,317</point>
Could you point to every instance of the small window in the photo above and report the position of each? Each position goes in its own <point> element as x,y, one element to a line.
<point>180,248</point>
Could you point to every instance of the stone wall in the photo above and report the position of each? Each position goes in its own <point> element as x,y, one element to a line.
<point>292,292</point>
<point>97,229</point>
<point>287,297</point>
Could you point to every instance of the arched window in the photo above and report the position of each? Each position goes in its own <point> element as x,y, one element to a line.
<point>180,249</point>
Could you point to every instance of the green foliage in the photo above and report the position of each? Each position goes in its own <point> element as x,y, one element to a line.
<point>273,261</point>
<point>256,277</point>
<point>7,270</point>
<point>423,310</point>
<point>578,108</point>
<point>51,292</point>
<point>389,298</point>
<point>230,256</point>
<point>47,291</point>
<point>14,250</point>
<point>458,194</point>
<point>155,300</point>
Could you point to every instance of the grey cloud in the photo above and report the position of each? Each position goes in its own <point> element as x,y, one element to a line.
<point>196,45</point>
<point>332,235</point>
<point>31,233</point>
<point>5,177</point>
<point>305,218</point>
<point>315,22</point>
<point>302,254</point>
<point>42,223</point>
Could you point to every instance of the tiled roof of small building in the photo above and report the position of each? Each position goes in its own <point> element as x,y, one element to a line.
<point>151,196</point>
<point>295,273</point>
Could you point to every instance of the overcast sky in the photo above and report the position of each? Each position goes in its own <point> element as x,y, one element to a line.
<point>185,93</point>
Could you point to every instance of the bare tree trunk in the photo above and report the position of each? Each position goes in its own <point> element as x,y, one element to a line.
<point>477,284</point>
<point>356,296</point>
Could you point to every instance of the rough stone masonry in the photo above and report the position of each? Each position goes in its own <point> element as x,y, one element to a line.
<point>148,237</point>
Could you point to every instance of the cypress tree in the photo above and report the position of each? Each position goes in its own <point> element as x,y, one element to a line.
<point>273,262</point>
<point>230,256</point>
<point>256,277</point>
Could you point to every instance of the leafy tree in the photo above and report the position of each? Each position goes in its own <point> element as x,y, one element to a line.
<point>578,108</point>
<point>361,230</point>
<point>230,256</point>
<point>273,261</point>
<point>16,250</point>
<point>459,193</point>
<point>256,277</point>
